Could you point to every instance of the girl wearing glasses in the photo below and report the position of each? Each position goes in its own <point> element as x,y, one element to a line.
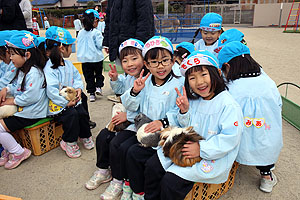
<point>155,97</point>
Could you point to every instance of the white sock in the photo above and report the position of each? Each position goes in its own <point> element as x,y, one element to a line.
<point>9,143</point>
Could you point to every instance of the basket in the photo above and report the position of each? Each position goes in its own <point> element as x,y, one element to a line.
<point>204,191</point>
<point>4,197</point>
<point>41,138</point>
<point>78,66</point>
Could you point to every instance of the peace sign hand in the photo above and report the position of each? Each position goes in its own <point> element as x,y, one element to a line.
<point>113,74</point>
<point>139,83</point>
<point>182,101</point>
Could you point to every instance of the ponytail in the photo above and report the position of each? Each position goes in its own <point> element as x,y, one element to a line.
<point>55,55</point>
<point>195,35</point>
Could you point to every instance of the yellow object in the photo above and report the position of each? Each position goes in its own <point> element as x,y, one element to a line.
<point>78,66</point>
<point>4,197</point>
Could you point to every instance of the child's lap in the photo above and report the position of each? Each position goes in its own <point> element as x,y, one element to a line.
<point>14,123</point>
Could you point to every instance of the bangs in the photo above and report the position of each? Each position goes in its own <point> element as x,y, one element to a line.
<point>20,52</point>
<point>156,52</point>
<point>130,51</point>
<point>195,69</point>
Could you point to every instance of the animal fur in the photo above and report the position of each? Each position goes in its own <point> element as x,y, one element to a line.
<point>7,111</point>
<point>117,107</point>
<point>146,139</point>
<point>172,141</point>
<point>69,93</point>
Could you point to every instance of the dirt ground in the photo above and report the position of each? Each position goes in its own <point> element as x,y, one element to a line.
<point>54,176</point>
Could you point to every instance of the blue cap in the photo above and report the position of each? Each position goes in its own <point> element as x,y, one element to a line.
<point>22,40</point>
<point>59,34</point>
<point>131,43</point>
<point>211,22</point>
<point>200,57</point>
<point>158,41</point>
<point>96,14</point>
<point>232,50</point>
<point>5,35</point>
<point>186,45</point>
<point>230,36</point>
<point>40,40</point>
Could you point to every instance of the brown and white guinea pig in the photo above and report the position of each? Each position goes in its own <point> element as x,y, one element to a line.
<point>117,107</point>
<point>145,139</point>
<point>69,93</point>
<point>172,141</point>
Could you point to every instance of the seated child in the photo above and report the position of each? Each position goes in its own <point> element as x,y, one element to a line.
<point>62,73</point>
<point>261,103</point>
<point>29,95</point>
<point>206,105</point>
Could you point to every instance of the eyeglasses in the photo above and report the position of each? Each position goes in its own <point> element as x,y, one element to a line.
<point>164,62</point>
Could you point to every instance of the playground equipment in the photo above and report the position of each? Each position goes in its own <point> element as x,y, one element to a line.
<point>40,12</point>
<point>69,18</point>
<point>293,18</point>
<point>290,110</point>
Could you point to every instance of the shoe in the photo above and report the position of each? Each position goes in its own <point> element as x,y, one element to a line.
<point>71,149</point>
<point>114,98</point>
<point>15,160</point>
<point>113,191</point>
<point>266,185</point>
<point>92,97</point>
<point>99,91</point>
<point>137,196</point>
<point>127,192</point>
<point>87,142</point>
<point>97,179</point>
<point>4,157</point>
<point>92,124</point>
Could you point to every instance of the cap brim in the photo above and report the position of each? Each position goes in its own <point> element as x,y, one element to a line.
<point>9,44</point>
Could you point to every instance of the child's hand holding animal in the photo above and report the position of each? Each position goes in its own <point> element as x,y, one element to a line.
<point>71,103</point>
<point>3,93</point>
<point>113,74</point>
<point>191,149</point>
<point>139,83</point>
<point>119,118</point>
<point>8,101</point>
<point>154,126</point>
<point>78,94</point>
<point>182,101</point>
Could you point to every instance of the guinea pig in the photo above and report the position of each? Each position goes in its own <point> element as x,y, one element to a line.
<point>7,111</point>
<point>172,140</point>
<point>117,107</point>
<point>69,93</point>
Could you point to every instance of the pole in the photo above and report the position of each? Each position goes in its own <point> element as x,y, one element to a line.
<point>279,24</point>
<point>166,4</point>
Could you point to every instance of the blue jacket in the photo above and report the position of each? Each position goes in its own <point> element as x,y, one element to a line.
<point>200,45</point>
<point>66,75</point>
<point>219,121</point>
<point>89,46</point>
<point>261,103</point>
<point>7,74</point>
<point>32,102</point>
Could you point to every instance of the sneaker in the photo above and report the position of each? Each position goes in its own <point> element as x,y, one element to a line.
<point>4,157</point>
<point>99,91</point>
<point>127,192</point>
<point>92,124</point>
<point>87,142</point>
<point>114,98</point>
<point>266,185</point>
<point>15,160</point>
<point>92,98</point>
<point>97,179</point>
<point>71,149</point>
<point>137,196</point>
<point>113,191</point>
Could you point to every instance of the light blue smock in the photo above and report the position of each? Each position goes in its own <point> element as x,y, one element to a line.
<point>156,102</point>
<point>2,68</point>
<point>176,69</point>
<point>89,46</point>
<point>101,26</point>
<point>32,102</point>
<point>219,121</point>
<point>9,72</point>
<point>200,45</point>
<point>261,103</point>
<point>63,76</point>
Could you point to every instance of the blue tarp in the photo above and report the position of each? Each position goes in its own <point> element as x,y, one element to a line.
<point>43,2</point>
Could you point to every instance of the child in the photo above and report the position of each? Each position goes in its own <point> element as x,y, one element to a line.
<point>47,25</point>
<point>7,68</point>
<point>62,73</point>
<point>29,95</point>
<point>215,115</point>
<point>230,36</point>
<point>35,27</point>
<point>101,24</point>
<point>90,53</point>
<point>77,24</point>
<point>154,97</point>
<point>183,50</point>
<point>111,147</point>
<point>210,29</point>
<point>261,103</point>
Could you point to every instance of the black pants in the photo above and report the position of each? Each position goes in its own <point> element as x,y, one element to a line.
<point>160,184</point>
<point>102,148</point>
<point>84,103</point>
<point>92,73</point>
<point>265,170</point>
<point>136,159</point>
<point>75,123</point>
<point>118,149</point>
